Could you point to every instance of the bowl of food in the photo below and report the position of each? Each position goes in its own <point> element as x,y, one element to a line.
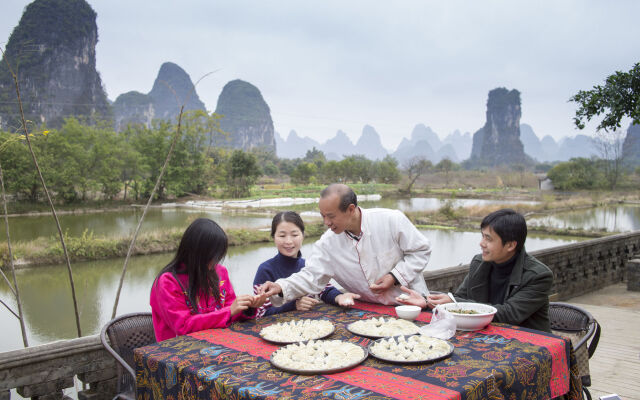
<point>469,316</point>
<point>408,312</point>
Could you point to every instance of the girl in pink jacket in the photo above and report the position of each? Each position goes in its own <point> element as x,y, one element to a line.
<point>193,291</point>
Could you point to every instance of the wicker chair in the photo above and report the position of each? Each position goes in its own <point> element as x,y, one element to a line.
<point>124,334</point>
<point>578,325</point>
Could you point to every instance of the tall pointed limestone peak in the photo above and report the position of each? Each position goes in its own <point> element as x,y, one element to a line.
<point>173,88</point>
<point>246,117</point>
<point>53,51</point>
<point>293,135</point>
<point>370,145</point>
<point>498,142</point>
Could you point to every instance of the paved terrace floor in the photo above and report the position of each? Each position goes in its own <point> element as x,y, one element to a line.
<point>615,366</point>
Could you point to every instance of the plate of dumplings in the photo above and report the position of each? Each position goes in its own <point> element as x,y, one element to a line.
<point>375,328</point>
<point>315,357</point>
<point>410,349</point>
<point>297,331</point>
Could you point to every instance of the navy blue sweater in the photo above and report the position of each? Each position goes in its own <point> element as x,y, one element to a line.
<point>282,266</point>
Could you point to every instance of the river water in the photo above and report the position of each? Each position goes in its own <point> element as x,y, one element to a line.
<point>124,222</point>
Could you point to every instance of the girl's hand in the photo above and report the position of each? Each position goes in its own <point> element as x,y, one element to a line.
<point>346,299</point>
<point>412,298</point>
<point>306,303</point>
<point>258,300</point>
<point>241,303</point>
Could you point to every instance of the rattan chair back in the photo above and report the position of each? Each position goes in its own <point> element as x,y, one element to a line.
<point>582,329</point>
<point>120,337</point>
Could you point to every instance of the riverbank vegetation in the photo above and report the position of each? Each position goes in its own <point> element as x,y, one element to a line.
<point>88,246</point>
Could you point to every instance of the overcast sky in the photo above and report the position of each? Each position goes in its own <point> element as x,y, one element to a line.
<point>328,65</point>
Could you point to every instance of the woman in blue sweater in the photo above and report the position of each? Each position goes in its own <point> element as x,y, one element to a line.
<point>287,231</point>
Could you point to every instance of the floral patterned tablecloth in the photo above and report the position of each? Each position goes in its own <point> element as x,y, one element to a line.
<point>499,362</point>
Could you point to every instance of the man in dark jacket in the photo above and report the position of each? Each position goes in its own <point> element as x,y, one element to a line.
<point>504,275</point>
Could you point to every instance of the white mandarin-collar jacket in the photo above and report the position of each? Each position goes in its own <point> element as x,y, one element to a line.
<point>389,243</point>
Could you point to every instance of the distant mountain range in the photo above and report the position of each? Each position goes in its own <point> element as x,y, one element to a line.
<point>424,142</point>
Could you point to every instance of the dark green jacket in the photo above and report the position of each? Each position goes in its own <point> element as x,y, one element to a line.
<point>526,300</point>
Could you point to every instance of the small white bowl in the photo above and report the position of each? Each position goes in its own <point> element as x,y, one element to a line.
<point>408,312</point>
<point>470,322</point>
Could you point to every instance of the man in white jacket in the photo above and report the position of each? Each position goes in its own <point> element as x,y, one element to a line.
<point>369,252</point>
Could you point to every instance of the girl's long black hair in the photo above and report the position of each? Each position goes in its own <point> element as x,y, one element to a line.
<point>204,243</point>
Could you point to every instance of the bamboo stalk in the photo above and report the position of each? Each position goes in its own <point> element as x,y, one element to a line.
<point>14,289</point>
<point>46,191</point>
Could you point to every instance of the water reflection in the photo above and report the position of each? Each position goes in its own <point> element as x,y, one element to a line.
<point>612,218</point>
<point>48,306</point>
<point>123,223</point>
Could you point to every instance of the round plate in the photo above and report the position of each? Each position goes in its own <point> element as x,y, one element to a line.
<point>333,329</point>
<point>430,359</point>
<point>322,371</point>
<point>370,336</point>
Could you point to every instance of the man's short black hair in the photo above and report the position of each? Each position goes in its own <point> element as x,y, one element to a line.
<point>346,194</point>
<point>509,225</point>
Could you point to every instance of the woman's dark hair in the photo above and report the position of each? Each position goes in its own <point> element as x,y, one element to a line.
<point>202,244</point>
<point>286,216</point>
<point>509,225</point>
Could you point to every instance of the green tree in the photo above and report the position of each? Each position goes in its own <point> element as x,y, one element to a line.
<point>152,144</point>
<point>577,173</point>
<point>386,171</point>
<point>242,173</point>
<point>618,98</point>
<point>331,172</point>
<point>416,167</point>
<point>315,156</point>
<point>20,177</point>
<point>303,172</point>
<point>357,168</point>
<point>445,165</point>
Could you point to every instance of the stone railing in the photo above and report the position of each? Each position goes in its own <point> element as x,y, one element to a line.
<point>578,268</point>
<point>44,371</point>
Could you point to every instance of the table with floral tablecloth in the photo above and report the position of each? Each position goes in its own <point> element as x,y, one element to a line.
<point>499,362</point>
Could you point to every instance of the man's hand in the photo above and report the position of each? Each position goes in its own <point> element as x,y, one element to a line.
<point>438,298</point>
<point>346,299</point>
<point>306,303</point>
<point>383,284</point>
<point>241,303</point>
<point>269,289</point>
<point>414,298</point>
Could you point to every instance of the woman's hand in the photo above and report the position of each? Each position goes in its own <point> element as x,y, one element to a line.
<point>241,303</point>
<point>346,299</point>
<point>306,303</point>
<point>411,297</point>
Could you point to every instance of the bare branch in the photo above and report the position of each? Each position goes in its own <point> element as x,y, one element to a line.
<point>9,308</point>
